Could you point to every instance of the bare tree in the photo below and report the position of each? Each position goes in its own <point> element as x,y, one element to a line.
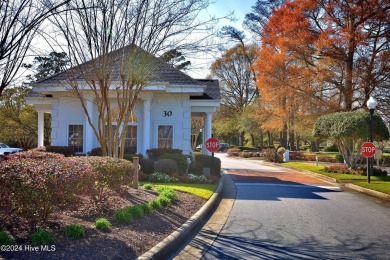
<point>19,21</point>
<point>111,43</point>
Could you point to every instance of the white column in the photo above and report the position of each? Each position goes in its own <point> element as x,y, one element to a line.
<point>207,129</point>
<point>41,127</point>
<point>89,134</point>
<point>146,135</point>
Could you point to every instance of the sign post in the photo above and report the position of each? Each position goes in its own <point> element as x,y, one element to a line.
<point>368,149</point>
<point>212,145</point>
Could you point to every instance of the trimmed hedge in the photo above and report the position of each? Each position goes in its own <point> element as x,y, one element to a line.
<point>167,166</point>
<point>64,150</point>
<point>156,153</point>
<point>147,165</point>
<point>204,161</point>
<point>180,159</point>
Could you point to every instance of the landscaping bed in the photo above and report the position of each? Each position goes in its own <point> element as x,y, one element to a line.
<point>121,241</point>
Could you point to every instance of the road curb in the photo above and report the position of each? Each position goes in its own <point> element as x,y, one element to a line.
<point>373,193</point>
<point>179,235</point>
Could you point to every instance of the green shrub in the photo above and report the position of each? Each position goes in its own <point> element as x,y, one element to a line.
<point>332,148</point>
<point>135,211</point>
<point>5,239</point>
<point>42,237</point>
<point>146,208</point>
<point>204,161</point>
<point>167,166</point>
<point>164,201</point>
<point>159,177</point>
<point>123,216</point>
<point>74,230</point>
<point>37,186</point>
<point>148,186</point>
<point>154,204</point>
<point>129,156</point>
<point>147,165</point>
<point>339,158</point>
<point>96,152</point>
<point>156,153</point>
<point>102,224</point>
<point>180,159</point>
<point>168,193</point>
<point>67,151</point>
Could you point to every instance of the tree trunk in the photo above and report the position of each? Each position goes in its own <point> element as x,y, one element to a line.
<point>298,143</point>
<point>261,142</point>
<point>241,138</point>
<point>253,140</point>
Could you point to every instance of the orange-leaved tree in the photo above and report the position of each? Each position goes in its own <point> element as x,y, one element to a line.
<point>319,57</point>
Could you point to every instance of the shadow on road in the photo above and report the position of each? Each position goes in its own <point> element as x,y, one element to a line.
<point>230,246</point>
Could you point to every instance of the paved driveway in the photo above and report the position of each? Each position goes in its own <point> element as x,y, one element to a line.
<point>278,213</point>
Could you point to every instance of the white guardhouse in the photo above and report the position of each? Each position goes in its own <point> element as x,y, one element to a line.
<point>161,117</point>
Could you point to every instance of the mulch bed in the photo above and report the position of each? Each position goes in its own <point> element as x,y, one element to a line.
<point>122,242</point>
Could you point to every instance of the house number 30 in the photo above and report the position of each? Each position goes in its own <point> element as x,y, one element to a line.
<point>167,113</point>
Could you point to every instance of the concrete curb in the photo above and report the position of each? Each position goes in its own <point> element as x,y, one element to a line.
<point>173,240</point>
<point>373,193</point>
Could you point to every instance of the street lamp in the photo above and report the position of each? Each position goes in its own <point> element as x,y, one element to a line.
<point>371,104</point>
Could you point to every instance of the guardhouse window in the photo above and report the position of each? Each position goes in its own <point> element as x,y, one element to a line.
<point>76,137</point>
<point>165,136</point>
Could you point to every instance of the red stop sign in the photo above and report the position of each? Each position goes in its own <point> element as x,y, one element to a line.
<point>368,149</point>
<point>212,144</point>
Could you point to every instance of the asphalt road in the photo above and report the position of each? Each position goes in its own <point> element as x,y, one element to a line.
<point>281,214</point>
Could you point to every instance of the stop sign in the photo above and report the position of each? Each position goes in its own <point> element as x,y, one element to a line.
<point>212,144</point>
<point>368,149</point>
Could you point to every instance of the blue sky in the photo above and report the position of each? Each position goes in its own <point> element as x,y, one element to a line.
<point>240,8</point>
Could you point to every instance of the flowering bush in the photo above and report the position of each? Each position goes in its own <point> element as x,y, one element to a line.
<point>36,187</point>
<point>159,177</point>
<point>197,179</point>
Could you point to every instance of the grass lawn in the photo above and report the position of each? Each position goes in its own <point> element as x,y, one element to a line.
<point>378,183</point>
<point>200,190</point>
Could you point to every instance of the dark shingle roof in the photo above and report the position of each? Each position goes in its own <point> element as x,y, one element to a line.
<point>165,72</point>
<point>211,91</point>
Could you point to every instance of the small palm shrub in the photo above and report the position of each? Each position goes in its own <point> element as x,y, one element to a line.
<point>42,237</point>
<point>74,230</point>
<point>5,239</point>
<point>167,166</point>
<point>102,224</point>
